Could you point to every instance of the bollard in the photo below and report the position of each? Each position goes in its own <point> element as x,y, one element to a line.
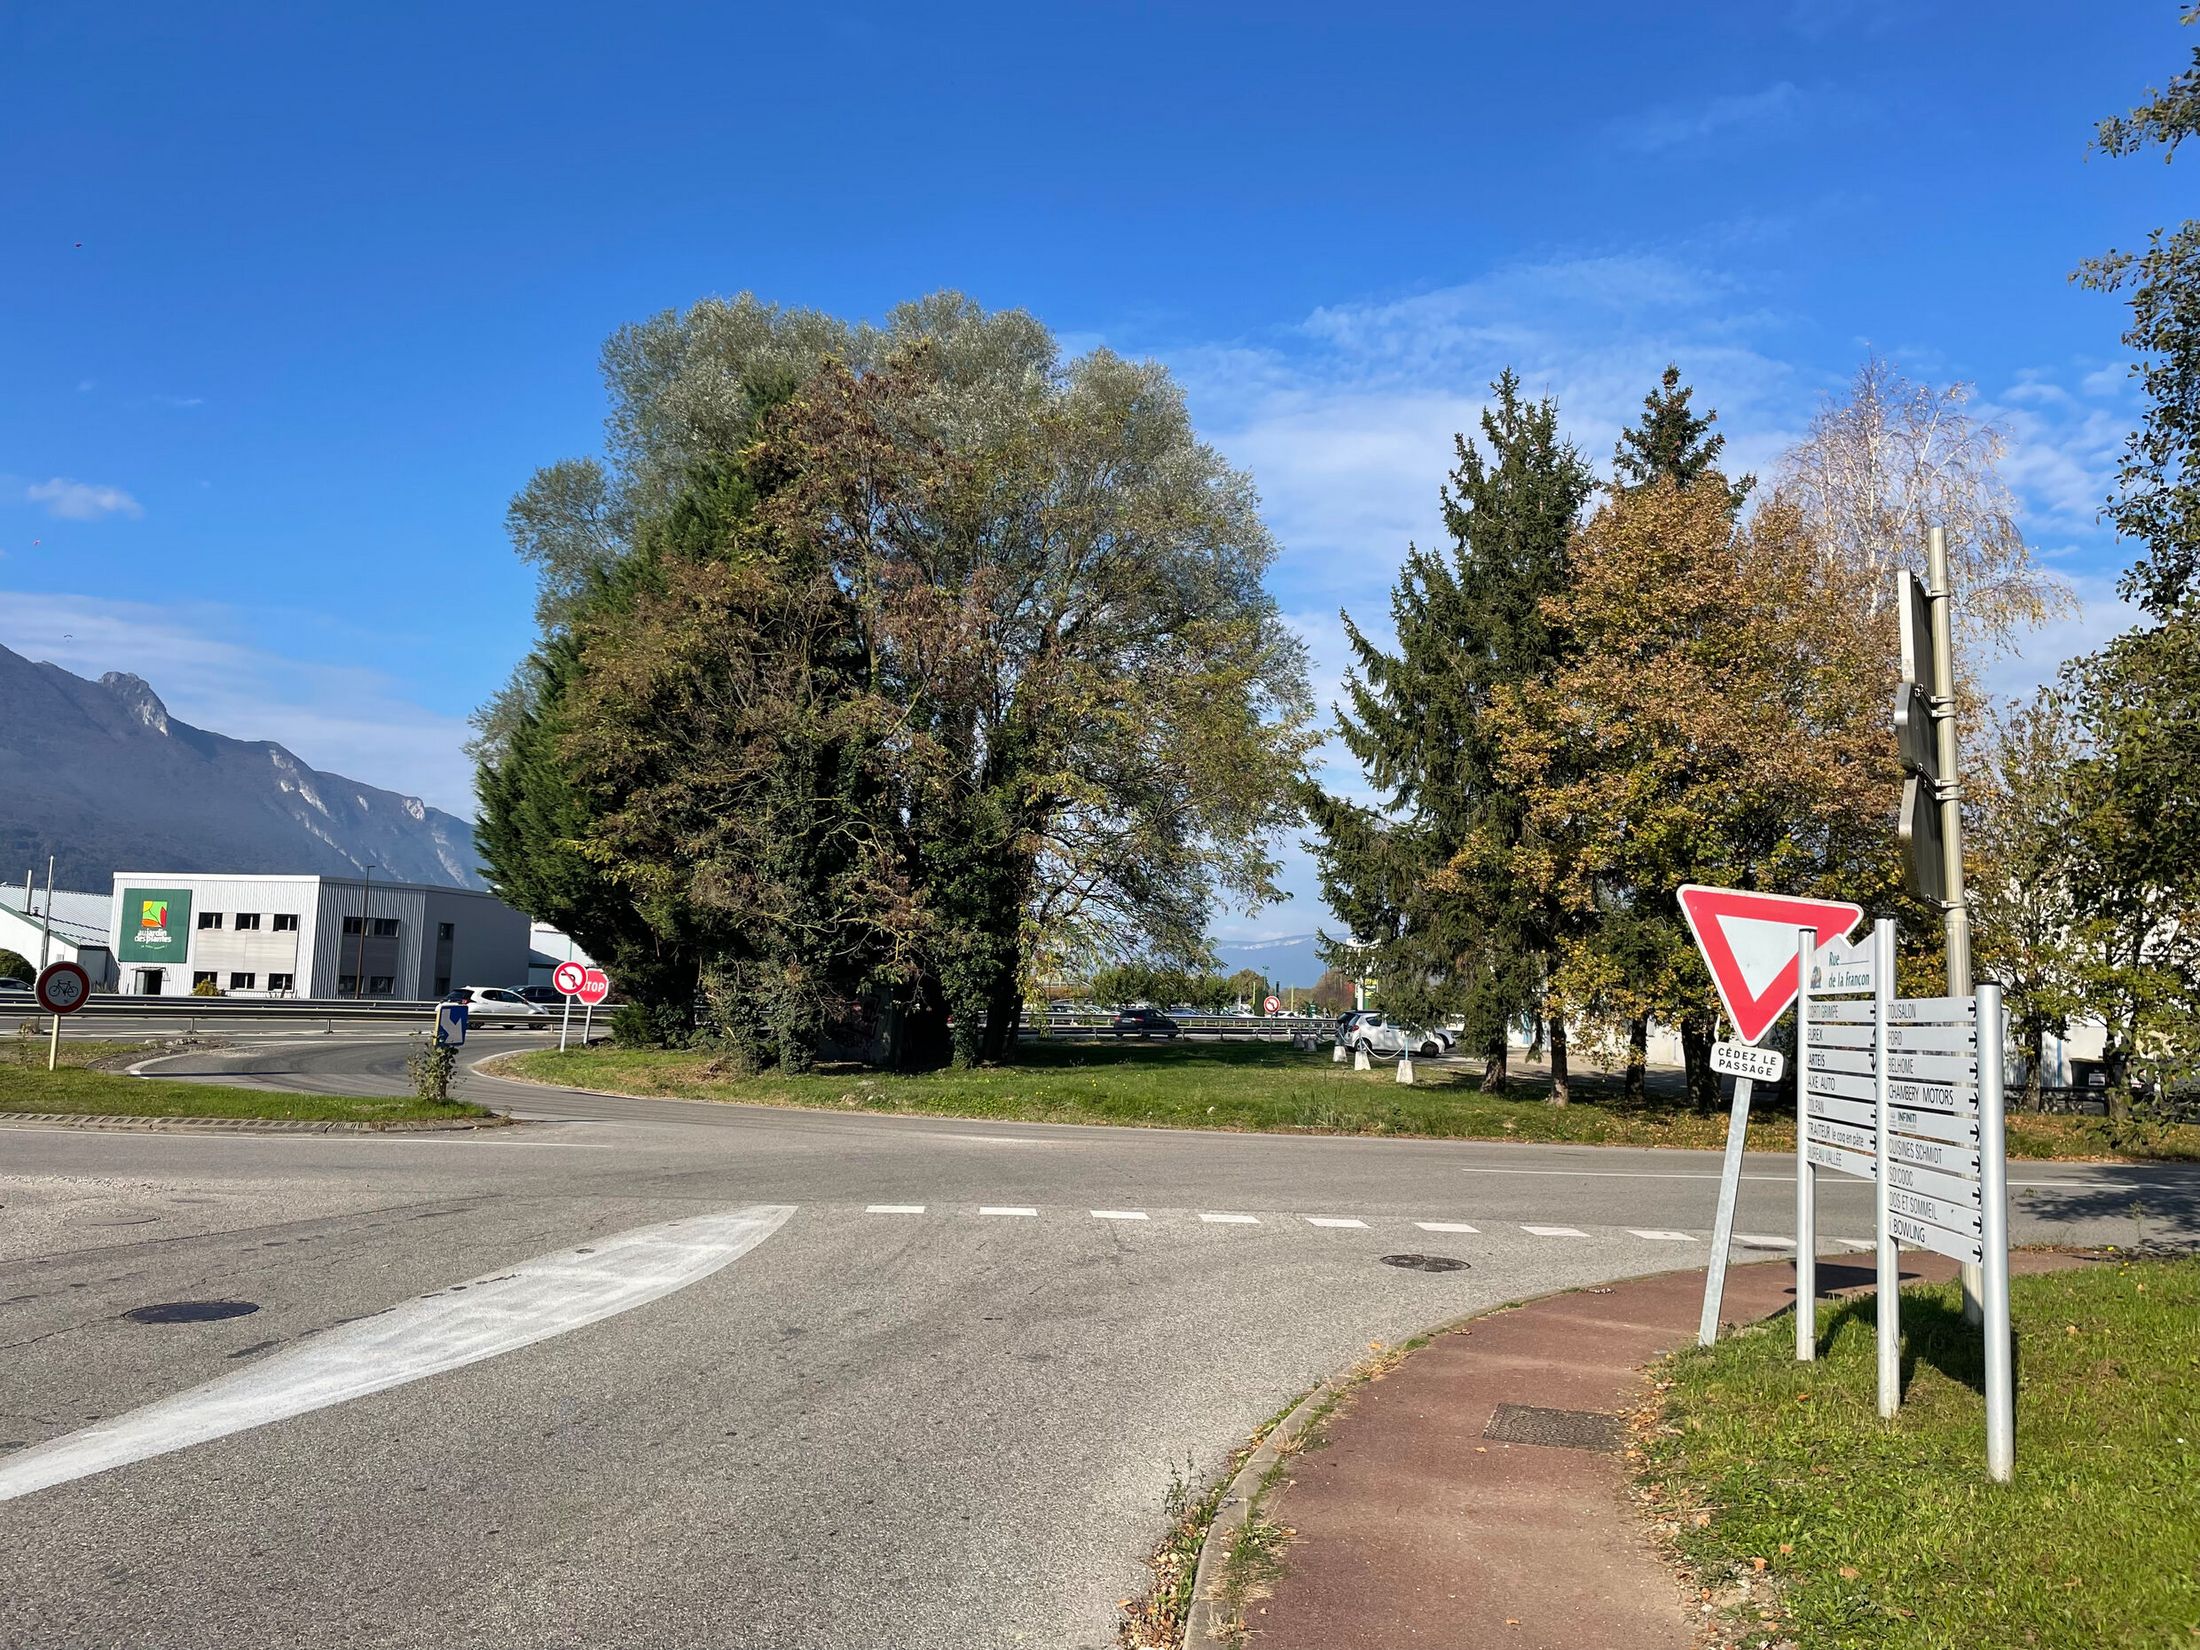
<point>1336,1054</point>
<point>1405,1068</point>
<point>1359,1059</point>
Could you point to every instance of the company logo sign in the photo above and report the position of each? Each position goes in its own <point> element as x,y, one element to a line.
<point>156,925</point>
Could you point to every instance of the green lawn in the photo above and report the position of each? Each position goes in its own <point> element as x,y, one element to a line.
<point>1265,1087</point>
<point>1888,1535</point>
<point>79,1088</point>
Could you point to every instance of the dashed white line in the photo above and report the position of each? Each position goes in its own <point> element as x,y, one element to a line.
<point>1445,1226</point>
<point>1661,1237</point>
<point>1331,1220</point>
<point>1554,1231</point>
<point>1229,1220</point>
<point>894,1209</point>
<point>1004,1209</point>
<point>1119,1214</point>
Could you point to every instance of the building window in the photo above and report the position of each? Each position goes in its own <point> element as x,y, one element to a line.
<point>243,982</point>
<point>346,984</point>
<point>380,985</point>
<point>246,919</point>
<point>352,924</point>
<point>210,919</point>
<point>444,930</point>
<point>284,922</point>
<point>385,928</point>
<point>279,982</point>
<point>202,977</point>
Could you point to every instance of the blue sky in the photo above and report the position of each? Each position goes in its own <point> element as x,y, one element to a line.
<point>295,297</point>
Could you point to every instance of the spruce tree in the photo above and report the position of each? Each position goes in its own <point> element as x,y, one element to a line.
<point>1427,876</point>
<point>1672,441</point>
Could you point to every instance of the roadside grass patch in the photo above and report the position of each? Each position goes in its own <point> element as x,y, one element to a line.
<point>1808,1520</point>
<point>79,1091</point>
<point>1251,1087</point>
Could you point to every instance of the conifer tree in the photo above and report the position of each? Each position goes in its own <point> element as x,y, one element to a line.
<point>1428,877</point>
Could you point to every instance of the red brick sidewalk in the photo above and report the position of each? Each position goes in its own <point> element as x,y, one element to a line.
<point>1415,1528</point>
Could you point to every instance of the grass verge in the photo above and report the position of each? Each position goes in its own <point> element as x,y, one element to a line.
<point>1809,1521</point>
<point>1260,1087</point>
<point>80,1089</point>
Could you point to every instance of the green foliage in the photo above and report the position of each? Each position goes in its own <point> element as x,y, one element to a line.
<point>885,672</point>
<point>1671,442</point>
<point>15,966</point>
<point>205,988</point>
<point>430,1069</point>
<point>1428,876</point>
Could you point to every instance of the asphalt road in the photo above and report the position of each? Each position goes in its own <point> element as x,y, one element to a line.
<point>732,1376</point>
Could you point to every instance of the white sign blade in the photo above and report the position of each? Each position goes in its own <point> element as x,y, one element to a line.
<point>1953,1190</point>
<point>1832,1157</point>
<point>1856,1113</point>
<point>1917,1234</point>
<point>1946,1155</point>
<point>1929,1068</point>
<point>1846,1136</point>
<point>1949,1216</point>
<point>1933,1125</point>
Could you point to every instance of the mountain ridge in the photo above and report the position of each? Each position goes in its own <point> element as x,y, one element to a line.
<point>102,776</point>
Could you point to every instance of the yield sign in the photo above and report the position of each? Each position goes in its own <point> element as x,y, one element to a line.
<point>1749,941</point>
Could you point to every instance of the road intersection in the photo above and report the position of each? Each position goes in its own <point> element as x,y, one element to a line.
<point>938,1402</point>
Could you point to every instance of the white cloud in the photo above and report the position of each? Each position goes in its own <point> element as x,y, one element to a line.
<point>81,500</point>
<point>201,658</point>
<point>2040,654</point>
<point>1670,126</point>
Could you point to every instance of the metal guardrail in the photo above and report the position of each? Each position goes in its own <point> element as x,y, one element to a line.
<point>215,1010</point>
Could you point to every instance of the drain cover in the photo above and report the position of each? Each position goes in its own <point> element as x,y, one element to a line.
<point>1559,1428</point>
<point>190,1311</point>
<point>1425,1263</point>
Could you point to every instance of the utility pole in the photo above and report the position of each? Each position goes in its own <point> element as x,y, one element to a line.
<point>359,956</point>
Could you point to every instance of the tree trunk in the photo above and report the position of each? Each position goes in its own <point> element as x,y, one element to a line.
<point>1638,1058</point>
<point>1703,1082</point>
<point>1560,1093</point>
<point>1495,1075</point>
<point>2035,1052</point>
<point>1003,1008</point>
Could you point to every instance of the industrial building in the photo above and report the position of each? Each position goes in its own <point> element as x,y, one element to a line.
<point>174,933</point>
<point>74,929</point>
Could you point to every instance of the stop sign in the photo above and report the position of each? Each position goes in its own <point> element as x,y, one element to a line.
<point>595,986</point>
<point>569,977</point>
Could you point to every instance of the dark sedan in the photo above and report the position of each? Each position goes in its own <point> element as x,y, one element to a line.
<point>1146,1022</point>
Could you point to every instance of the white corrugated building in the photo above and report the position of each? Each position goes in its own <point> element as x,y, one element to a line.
<point>79,929</point>
<point>309,936</point>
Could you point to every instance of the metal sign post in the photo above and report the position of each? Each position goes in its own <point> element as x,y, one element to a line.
<point>1993,1186</point>
<point>1806,1172</point>
<point>569,978</point>
<point>1888,1281</point>
<point>595,987</point>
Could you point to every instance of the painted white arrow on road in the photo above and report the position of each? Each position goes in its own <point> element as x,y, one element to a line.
<point>537,1299</point>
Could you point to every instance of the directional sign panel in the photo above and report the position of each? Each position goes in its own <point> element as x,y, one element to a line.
<point>1933,1125</point>
<point>1949,1217</point>
<point>1918,1234</point>
<point>1928,1068</point>
<point>1953,1190</point>
<point>1857,1113</point>
<point>1946,1155</point>
<point>1749,942</point>
<point>1847,1136</point>
<point>1849,1163</point>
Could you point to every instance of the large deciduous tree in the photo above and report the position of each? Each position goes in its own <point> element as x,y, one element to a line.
<point>926,664</point>
<point>1429,874</point>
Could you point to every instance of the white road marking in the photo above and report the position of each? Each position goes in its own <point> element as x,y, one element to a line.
<point>1003,1210</point>
<point>537,1299</point>
<point>1554,1231</point>
<point>1756,1242</point>
<point>1445,1226</point>
<point>1119,1214</point>
<point>1864,1244</point>
<point>1322,1220</point>
<point>1662,1237</point>
<point>1230,1220</point>
<point>894,1209</point>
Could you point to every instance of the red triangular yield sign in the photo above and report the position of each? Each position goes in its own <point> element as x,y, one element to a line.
<point>1749,941</point>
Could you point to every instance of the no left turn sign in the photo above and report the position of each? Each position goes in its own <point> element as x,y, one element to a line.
<point>569,978</point>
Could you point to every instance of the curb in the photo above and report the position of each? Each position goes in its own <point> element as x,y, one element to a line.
<point>242,1125</point>
<point>1207,1626</point>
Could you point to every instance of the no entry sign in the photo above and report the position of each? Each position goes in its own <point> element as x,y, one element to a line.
<point>1748,940</point>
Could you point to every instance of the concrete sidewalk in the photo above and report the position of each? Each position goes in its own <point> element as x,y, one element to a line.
<point>1476,1496</point>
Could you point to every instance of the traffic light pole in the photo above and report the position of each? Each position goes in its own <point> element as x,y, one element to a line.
<point>1955,909</point>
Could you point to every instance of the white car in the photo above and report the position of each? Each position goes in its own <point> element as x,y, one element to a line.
<point>1378,1034</point>
<point>496,999</point>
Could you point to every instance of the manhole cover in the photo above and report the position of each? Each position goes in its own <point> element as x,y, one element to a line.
<point>1425,1263</point>
<point>1559,1428</point>
<point>190,1311</point>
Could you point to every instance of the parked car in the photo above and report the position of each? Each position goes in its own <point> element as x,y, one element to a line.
<point>1346,1021</point>
<point>1146,1022</point>
<point>549,996</point>
<point>496,999</point>
<point>12,987</point>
